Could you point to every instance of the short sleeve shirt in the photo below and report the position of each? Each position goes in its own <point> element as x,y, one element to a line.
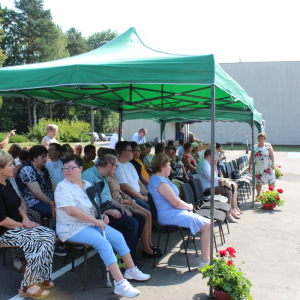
<point>70,194</point>
<point>126,173</point>
<point>28,174</point>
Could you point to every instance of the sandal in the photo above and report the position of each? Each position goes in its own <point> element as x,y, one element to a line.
<point>33,292</point>
<point>19,266</point>
<point>46,284</point>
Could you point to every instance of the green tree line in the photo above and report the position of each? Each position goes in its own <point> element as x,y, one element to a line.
<point>28,35</point>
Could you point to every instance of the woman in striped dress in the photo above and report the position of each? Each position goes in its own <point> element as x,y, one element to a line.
<point>36,241</point>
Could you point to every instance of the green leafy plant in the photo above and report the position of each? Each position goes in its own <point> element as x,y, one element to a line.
<point>224,276</point>
<point>14,139</point>
<point>278,172</point>
<point>270,199</point>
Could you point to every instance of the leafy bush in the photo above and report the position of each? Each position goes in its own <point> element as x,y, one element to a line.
<point>68,131</point>
<point>14,139</point>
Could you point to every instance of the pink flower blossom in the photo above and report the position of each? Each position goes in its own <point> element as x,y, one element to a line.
<point>268,171</point>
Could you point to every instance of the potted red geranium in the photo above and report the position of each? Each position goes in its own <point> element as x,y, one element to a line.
<point>270,199</point>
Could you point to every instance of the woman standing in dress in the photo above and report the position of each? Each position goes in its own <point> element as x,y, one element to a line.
<point>264,163</point>
<point>173,211</point>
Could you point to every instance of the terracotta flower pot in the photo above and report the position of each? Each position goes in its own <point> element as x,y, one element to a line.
<point>221,295</point>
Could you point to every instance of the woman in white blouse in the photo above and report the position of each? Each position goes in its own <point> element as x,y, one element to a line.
<point>76,222</point>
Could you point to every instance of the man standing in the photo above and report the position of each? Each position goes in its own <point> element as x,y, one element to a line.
<point>52,131</point>
<point>128,177</point>
<point>89,156</point>
<point>115,138</point>
<point>129,224</point>
<point>139,137</point>
<point>55,164</point>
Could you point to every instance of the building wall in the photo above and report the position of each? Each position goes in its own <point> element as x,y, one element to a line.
<point>275,88</point>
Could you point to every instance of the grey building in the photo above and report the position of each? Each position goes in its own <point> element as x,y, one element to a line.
<point>275,88</point>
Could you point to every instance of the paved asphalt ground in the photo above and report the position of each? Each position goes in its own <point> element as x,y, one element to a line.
<point>267,241</point>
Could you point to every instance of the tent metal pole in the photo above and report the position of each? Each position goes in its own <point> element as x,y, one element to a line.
<point>212,180</point>
<point>161,134</point>
<point>92,125</point>
<point>120,126</point>
<point>253,166</point>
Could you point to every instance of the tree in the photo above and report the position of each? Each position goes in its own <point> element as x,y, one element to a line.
<point>98,39</point>
<point>59,49</point>
<point>77,44</point>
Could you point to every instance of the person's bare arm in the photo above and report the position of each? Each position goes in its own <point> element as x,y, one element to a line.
<point>129,190</point>
<point>271,153</point>
<point>145,180</point>
<point>187,163</point>
<point>53,187</point>
<point>45,143</point>
<point>6,140</point>
<point>250,161</point>
<point>18,167</point>
<point>37,192</point>
<point>144,191</point>
<point>166,191</point>
<point>23,204</point>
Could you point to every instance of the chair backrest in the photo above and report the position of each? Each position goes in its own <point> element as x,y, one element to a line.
<point>198,189</point>
<point>235,165</point>
<point>228,168</point>
<point>197,176</point>
<point>231,166</point>
<point>153,211</point>
<point>187,193</point>
<point>224,171</point>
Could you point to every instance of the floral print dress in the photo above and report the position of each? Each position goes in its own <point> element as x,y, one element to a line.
<point>263,171</point>
<point>192,162</point>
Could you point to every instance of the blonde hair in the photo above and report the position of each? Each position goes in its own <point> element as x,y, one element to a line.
<point>159,161</point>
<point>4,159</point>
<point>52,127</point>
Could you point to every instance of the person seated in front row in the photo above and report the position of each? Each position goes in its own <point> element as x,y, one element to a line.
<point>131,225</point>
<point>204,170</point>
<point>89,156</point>
<point>138,164</point>
<point>17,230</point>
<point>128,177</point>
<point>173,211</point>
<point>76,222</point>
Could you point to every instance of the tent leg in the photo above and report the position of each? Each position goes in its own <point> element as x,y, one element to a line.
<point>253,164</point>
<point>120,126</point>
<point>92,125</point>
<point>161,134</point>
<point>212,179</point>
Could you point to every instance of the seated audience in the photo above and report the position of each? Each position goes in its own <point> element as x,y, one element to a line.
<point>128,177</point>
<point>177,165</point>
<point>131,225</point>
<point>78,148</point>
<point>159,148</point>
<point>17,230</point>
<point>149,156</point>
<point>180,148</point>
<point>6,140</point>
<point>171,143</point>
<point>23,158</point>
<point>54,165</point>
<point>66,150</point>
<point>74,210</point>
<point>188,160</point>
<point>173,211</point>
<point>195,153</point>
<point>192,138</point>
<point>201,151</point>
<point>204,170</point>
<point>144,176</point>
<point>89,156</point>
<point>220,154</point>
<point>14,151</point>
<point>52,131</point>
<point>140,137</point>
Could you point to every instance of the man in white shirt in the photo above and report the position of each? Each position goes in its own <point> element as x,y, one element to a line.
<point>115,138</point>
<point>128,177</point>
<point>139,137</point>
<point>55,164</point>
<point>52,131</point>
<point>204,170</point>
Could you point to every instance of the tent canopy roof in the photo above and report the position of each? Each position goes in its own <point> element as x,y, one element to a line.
<point>126,75</point>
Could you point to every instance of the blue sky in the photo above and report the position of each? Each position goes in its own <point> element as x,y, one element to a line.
<point>232,30</point>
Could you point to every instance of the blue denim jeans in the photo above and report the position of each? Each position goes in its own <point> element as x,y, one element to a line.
<point>93,236</point>
<point>142,203</point>
<point>43,208</point>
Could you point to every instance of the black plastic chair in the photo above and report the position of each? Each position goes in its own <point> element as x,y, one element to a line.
<point>168,228</point>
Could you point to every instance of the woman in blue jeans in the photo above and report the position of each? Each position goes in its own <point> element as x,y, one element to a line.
<point>76,222</point>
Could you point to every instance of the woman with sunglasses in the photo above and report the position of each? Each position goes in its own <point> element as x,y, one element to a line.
<point>76,222</point>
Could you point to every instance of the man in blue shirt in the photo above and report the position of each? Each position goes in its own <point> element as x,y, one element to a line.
<point>139,137</point>
<point>130,224</point>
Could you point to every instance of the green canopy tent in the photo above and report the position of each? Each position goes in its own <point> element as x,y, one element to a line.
<point>130,78</point>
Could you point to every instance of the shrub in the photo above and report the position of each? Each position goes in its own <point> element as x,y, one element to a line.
<point>14,139</point>
<point>68,131</point>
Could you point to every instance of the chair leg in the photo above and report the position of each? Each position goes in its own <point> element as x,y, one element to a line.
<point>187,259</point>
<point>215,242</point>
<point>226,221</point>
<point>103,269</point>
<point>73,258</point>
<point>4,256</point>
<point>85,267</point>
<point>157,248</point>
<point>195,246</point>
<point>68,253</point>
<point>187,243</point>
<point>220,232</point>
<point>167,242</point>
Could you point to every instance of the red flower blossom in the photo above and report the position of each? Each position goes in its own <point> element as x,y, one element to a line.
<point>261,197</point>
<point>271,188</point>
<point>257,176</point>
<point>231,251</point>
<point>277,197</point>
<point>222,253</point>
<point>280,191</point>
<point>279,166</point>
<point>230,263</point>
<point>267,191</point>
<point>258,154</point>
<point>281,174</point>
<point>266,205</point>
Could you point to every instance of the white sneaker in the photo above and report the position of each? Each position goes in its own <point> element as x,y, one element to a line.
<point>202,264</point>
<point>126,289</point>
<point>136,275</point>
